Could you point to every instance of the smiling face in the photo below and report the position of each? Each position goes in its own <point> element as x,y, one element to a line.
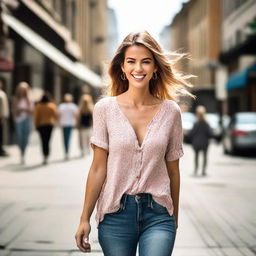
<point>138,66</point>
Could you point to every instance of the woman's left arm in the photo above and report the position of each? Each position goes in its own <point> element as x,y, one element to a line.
<point>174,175</point>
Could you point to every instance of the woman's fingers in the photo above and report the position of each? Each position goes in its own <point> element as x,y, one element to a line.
<point>80,243</point>
<point>86,244</point>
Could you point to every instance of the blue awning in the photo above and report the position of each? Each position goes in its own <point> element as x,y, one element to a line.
<point>239,79</point>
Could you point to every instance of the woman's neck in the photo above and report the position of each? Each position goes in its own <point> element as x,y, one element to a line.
<point>138,97</point>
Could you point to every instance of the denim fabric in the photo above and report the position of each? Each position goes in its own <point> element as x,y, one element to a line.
<point>23,129</point>
<point>66,136</point>
<point>139,221</point>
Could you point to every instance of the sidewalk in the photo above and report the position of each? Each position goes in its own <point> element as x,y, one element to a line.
<point>40,205</point>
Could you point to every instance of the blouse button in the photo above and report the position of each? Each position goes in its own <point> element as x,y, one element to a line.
<point>137,177</point>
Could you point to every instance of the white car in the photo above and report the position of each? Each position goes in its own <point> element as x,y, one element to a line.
<point>188,120</point>
<point>240,133</point>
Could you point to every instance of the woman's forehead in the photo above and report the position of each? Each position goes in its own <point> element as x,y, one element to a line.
<point>138,51</point>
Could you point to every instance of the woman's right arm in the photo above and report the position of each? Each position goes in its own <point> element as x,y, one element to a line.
<point>95,180</point>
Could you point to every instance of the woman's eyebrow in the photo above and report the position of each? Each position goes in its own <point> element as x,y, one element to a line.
<point>130,58</point>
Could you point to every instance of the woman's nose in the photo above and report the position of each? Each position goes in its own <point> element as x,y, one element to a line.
<point>138,67</point>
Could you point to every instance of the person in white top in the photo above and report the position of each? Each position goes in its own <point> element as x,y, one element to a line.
<point>67,119</point>
<point>4,114</point>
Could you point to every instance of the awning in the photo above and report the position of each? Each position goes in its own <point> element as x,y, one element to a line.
<point>77,69</point>
<point>240,79</point>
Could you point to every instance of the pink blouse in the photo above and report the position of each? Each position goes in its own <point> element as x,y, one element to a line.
<point>131,168</point>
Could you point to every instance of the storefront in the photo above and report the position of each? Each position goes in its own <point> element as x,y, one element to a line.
<point>241,89</point>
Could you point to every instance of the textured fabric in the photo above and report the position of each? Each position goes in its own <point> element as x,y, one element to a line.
<point>86,120</point>
<point>200,135</point>
<point>4,107</point>
<point>22,108</point>
<point>67,114</point>
<point>133,169</point>
<point>45,114</point>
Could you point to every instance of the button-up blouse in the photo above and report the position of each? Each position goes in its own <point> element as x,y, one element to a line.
<point>134,168</point>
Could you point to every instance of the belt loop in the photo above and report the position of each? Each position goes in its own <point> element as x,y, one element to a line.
<point>124,201</point>
<point>149,197</point>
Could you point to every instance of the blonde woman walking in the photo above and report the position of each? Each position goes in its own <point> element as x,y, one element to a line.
<point>22,108</point>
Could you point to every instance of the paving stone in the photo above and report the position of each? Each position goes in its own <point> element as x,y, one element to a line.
<point>52,229</point>
<point>192,252</point>
<point>36,253</point>
<point>4,253</point>
<point>16,226</point>
<point>93,253</point>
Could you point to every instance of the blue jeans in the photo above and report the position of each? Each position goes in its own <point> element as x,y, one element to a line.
<point>139,221</point>
<point>23,129</point>
<point>66,136</point>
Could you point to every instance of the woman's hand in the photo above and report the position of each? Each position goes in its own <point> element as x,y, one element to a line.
<point>82,237</point>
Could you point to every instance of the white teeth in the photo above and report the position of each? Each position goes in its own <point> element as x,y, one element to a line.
<point>138,77</point>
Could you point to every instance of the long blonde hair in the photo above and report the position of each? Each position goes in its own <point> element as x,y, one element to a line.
<point>22,91</point>
<point>86,104</point>
<point>169,83</point>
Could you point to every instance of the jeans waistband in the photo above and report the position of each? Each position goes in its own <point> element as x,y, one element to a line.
<point>137,198</point>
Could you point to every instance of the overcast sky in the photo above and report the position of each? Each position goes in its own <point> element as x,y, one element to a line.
<point>152,15</point>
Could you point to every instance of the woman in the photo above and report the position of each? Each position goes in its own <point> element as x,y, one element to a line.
<point>137,142</point>
<point>67,119</point>
<point>200,135</point>
<point>45,117</point>
<point>22,108</point>
<point>84,122</point>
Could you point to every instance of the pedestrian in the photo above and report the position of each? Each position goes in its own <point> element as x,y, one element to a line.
<point>137,142</point>
<point>22,109</point>
<point>200,135</point>
<point>4,114</point>
<point>67,119</point>
<point>84,123</point>
<point>45,117</point>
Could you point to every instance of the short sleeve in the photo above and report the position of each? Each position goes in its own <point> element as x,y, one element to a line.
<point>175,142</point>
<point>100,133</point>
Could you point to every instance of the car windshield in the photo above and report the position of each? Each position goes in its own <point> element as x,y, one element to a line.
<point>246,118</point>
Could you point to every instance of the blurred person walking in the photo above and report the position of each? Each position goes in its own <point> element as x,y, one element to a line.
<point>200,135</point>
<point>45,117</point>
<point>67,119</point>
<point>4,114</point>
<point>22,108</point>
<point>137,141</point>
<point>84,123</point>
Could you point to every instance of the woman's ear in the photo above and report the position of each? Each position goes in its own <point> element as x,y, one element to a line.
<point>122,67</point>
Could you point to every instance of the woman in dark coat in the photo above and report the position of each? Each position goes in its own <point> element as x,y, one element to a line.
<point>200,135</point>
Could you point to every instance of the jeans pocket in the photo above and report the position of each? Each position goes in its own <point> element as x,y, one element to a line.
<point>157,208</point>
<point>119,210</point>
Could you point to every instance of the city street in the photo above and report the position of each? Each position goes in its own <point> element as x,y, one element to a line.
<point>40,205</point>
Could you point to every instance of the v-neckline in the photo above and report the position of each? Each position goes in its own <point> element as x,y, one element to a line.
<point>139,146</point>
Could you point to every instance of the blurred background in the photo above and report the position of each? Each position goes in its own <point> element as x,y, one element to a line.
<point>64,46</point>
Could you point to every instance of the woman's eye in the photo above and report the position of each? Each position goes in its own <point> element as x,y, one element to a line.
<point>130,61</point>
<point>146,62</point>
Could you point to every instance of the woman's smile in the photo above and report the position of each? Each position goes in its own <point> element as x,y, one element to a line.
<point>138,78</point>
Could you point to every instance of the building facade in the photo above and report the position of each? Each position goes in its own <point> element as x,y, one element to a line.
<point>238,54</point>
<point>196,30</point>
<point>54,45</point>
